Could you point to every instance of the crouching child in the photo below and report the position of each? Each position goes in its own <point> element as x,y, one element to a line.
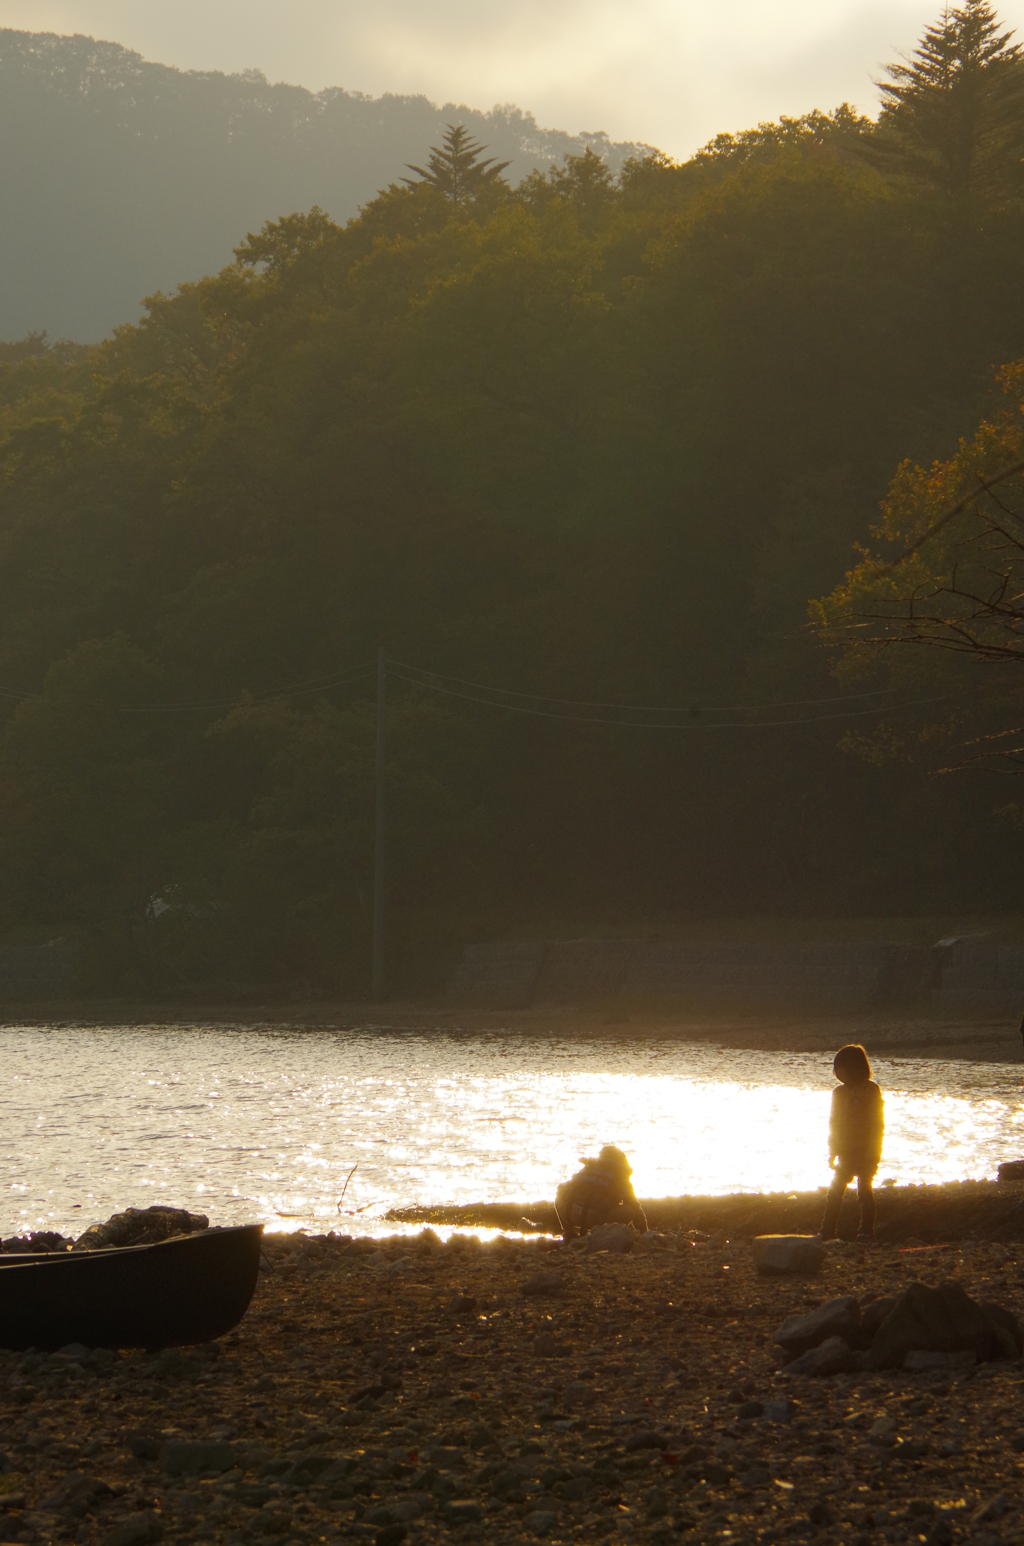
<point>600,1193</point>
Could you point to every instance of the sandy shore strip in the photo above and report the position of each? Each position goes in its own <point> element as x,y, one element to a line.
<point>907,1215</point>
<point>417,1390</point>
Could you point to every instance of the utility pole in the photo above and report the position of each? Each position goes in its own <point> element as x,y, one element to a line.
<point>378,842</point>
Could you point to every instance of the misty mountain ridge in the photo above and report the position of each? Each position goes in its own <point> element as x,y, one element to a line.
<point>123,177</point>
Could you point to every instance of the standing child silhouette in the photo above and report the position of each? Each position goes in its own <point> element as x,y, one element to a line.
<point>854,1140</point>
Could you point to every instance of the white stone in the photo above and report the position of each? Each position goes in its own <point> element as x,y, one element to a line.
<point>787,1253</point>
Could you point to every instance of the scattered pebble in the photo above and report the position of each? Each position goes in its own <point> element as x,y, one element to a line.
<point>637,1395</point>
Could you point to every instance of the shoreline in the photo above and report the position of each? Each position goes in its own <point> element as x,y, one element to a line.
<point>927,1214</point>
<point>923,1214</point>
<point>981,1037</point>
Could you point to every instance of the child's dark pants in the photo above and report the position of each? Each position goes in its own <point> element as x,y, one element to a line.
<point>844,1174</point>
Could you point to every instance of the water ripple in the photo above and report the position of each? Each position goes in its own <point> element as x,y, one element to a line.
<point>244,1123</point>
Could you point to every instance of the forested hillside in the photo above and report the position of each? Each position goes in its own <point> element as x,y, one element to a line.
<point>593,440</point>
<point>121,177</point>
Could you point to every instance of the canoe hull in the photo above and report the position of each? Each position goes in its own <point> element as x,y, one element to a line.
<point>181,1291</point>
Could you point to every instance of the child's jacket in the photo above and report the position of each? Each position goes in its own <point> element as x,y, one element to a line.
<point>856,1126</point>
<point>595,1196</point>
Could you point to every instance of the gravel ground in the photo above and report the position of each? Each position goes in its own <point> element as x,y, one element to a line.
<point>409,1390</point>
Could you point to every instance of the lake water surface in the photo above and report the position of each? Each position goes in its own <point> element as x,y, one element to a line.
<point>266,1124</point>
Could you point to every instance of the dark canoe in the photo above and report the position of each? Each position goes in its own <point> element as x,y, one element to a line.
<point>185,1290</point>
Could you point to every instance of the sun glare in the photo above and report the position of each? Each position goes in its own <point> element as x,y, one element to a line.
<point>333,1130</point>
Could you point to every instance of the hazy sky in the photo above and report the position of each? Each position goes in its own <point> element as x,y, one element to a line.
<point>671,72</point>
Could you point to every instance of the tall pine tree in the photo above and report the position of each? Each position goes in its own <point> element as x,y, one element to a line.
<point>953,113</point>
<point>455,168</point>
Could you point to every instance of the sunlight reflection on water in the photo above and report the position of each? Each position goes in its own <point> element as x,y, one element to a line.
<point>267,1124</point>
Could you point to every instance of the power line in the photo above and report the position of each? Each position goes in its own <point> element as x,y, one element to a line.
<point>515,702</point>
<point>693,724</point>
<point>291,690</point>
<point>295,690</point>
<point>639,708</point>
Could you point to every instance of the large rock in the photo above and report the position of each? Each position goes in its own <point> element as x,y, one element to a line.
<point>781,1411</point>
<point>409,1508</point>
<point>179,1457</point>
<point>142,1444</point>
<point>873,1314</point>
<point>646,1438</point>
<point>833,1357</point>
<point>36,1242</point>
<point>463,1511</point>
<point>779,1254</point>
<point>940,1320</point>
<point>136,1530</point>
<point>839,1318</point>
<point>544,1283</point>
<point>651,1240</point>
<point>510,1476</point>
<point>75,1495</point>
<point>141,1226</point>
<point>920,1362</point>
<point>1007,1329</point>
<point>611,1237</point>
<point>301,1473</point>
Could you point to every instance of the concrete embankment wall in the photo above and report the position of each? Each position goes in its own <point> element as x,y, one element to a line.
<point>965,975</point>
<point>34,971</point>
<point>980,976</point>
<point>957,976</point>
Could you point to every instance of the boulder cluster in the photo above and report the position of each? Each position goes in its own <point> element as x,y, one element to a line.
<point>922,1328</point>
<point>135,1226</point>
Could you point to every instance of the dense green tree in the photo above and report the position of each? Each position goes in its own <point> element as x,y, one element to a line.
<point>941,593</point>
<point>598,444</point>
<point>953,113</point>
<point>121,176</point>
<point>85,783</point>
<point>282,242</point>
<point>837,134</point>
<point>455,168</point>
<point>584,183</point>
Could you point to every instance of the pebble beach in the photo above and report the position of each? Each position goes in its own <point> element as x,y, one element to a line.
<point>425,1390</point>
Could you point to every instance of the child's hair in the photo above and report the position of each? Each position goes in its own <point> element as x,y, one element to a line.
<point>610,1158</point>
<point>852,1063</point>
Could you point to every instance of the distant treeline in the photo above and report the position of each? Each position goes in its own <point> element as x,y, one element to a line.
<point>595,439</point>
<point>120,177</point>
